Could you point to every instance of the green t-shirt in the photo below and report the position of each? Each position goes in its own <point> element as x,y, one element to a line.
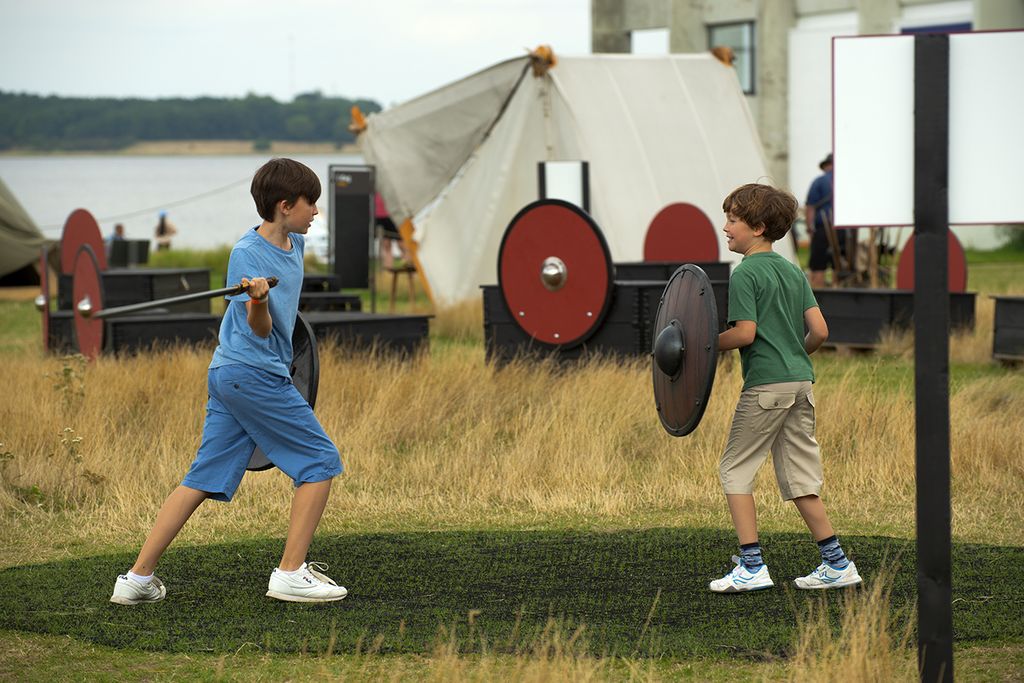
<point>769,290</point>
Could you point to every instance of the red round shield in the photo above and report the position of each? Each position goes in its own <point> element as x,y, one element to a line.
<point>685,350</point>
<point>555,273</point>
<point>682,233</point>
<point>87,288</point>
<point>957,266</point>
<point>81,228</point>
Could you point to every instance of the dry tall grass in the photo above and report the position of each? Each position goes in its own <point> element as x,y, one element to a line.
<point>89,452</point>
<point>965,346</point>
<point>866,648</point>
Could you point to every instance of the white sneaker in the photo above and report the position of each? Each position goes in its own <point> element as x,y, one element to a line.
<point>306,584</point>
<point>740,579</point>
<point>829,577</point>
<point>131,592</point>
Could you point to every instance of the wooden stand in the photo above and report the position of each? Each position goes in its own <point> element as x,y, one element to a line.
<point>410,270</point>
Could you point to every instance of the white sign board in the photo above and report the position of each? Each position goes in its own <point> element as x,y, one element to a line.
<point>873,129</point>
<point>565,180</point>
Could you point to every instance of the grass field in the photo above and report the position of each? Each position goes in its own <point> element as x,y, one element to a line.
<point>525,523</point>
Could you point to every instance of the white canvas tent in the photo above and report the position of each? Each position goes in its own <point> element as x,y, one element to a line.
<point>461,161</point>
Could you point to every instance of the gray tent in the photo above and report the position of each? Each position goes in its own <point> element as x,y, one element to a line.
<point>20,239</point>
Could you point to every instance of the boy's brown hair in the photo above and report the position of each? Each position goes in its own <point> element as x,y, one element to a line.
<point>758,205</point>
<point>284,179</point>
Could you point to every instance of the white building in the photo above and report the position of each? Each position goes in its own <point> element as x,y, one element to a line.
<point>783,58</point>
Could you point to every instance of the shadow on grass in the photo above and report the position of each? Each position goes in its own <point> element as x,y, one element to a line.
<point>639,593</point>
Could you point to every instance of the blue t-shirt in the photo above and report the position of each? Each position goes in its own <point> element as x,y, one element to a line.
<point>251,257</point>
<point>820,197</point>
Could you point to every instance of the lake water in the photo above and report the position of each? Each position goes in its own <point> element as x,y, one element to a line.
<point>206,197</point>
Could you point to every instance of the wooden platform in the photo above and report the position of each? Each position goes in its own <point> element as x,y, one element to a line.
<point>125,286</point>
<point>133,333</point>
<point>404,334</point>
<point>857,317</point>
<point>662,270</point>
<point>319,282</point>
<point>626,330</point>
<point>329,301</point>
<point>1008,337</point>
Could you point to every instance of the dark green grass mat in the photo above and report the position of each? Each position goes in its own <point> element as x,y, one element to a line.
<point>641,593</point>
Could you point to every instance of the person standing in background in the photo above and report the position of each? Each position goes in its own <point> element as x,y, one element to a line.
<point>116,236</point>
<point>818,216</point>
<point>164,231</point>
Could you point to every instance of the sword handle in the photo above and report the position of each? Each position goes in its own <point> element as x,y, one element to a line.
<point>238,289</point>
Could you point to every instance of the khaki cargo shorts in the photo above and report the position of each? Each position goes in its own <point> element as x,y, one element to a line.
<point>780,418</point>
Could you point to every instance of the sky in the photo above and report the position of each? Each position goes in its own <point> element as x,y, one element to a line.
<point>386,50</point>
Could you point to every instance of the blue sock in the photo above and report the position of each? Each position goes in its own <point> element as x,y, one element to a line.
<point>750,556</point>
<point>832,553</point>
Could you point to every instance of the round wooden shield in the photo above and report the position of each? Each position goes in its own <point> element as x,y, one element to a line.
<point>555,273</point>
<point>81,228</point>
<point>682,233</point>
<point>305,374</point>
<point>957,266</point>
<point>87,294</point>
<point>685,350</point>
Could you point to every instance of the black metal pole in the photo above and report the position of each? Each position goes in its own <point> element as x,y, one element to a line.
<point>195,296</point>
<point>931,357</point>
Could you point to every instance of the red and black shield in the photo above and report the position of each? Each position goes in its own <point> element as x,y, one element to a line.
<point>555,273</point>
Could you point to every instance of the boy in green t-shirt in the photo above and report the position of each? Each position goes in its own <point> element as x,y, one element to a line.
<point>770,302</point>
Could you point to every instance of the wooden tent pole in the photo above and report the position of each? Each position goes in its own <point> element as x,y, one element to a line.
<point>405,230</point>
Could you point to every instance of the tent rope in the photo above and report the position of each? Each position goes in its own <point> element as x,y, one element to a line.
<point>159,207</point>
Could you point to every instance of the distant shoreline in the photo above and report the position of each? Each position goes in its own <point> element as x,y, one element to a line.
<point>195,148</point>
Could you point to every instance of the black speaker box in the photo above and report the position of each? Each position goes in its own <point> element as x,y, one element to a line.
<point>351,216</point>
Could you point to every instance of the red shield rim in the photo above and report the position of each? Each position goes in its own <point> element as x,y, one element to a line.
<point>569,315</point>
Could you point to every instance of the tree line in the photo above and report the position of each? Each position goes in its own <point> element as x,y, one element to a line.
<point>68,123</point>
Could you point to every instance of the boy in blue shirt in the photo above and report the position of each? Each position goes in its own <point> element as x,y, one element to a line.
<point>252,401</point>
<point>770,302</point>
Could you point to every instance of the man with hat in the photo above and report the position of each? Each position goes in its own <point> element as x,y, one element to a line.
<point>818,214</point>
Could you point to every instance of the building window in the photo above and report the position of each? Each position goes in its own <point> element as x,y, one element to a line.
<point>740,37</point>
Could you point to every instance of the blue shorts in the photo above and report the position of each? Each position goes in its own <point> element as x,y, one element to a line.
<point>249,407</point>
